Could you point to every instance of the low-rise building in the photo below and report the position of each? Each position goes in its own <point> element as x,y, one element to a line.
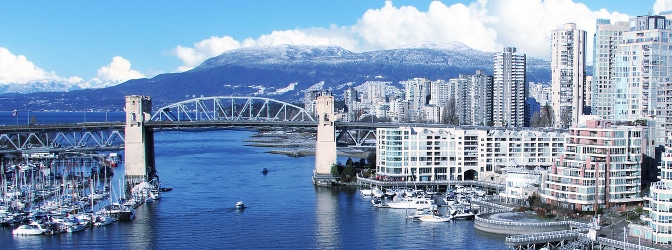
<point>461,153</point>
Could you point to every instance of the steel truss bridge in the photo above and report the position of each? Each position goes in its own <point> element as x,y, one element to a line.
<point>198,113</point>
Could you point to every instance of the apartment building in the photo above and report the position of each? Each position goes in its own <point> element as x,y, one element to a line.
<point>461,153</point>
<point>568,69</point>
<point>599,168</point>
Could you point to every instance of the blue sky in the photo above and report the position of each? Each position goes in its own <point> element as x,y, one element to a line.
<point>121,40</point>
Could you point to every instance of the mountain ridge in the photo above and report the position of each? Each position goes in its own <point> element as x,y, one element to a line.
<point>281,72</point>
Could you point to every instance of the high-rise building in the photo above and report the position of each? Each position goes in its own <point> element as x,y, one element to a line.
<point>641,79</point>
<point>568,69</point>
<point>605,44</point>
<point>509,88</point>
<point>642,91</point>
<point>417,93</point>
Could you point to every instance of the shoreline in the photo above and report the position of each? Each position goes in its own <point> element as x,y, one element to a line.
<point>296,145</point>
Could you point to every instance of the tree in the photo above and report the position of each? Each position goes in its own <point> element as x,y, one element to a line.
<point>334,170</point>
<point>372,160</point>
<point>349,171</point>
<point>533,200</point>
<point>546,116</point>
<point>450,113</point>
<point>362,163</point>
<point>534,120</point>
<point>349,162</point>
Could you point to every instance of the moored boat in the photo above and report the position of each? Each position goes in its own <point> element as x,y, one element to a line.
<point>33,228</point>
<point>411,203</point>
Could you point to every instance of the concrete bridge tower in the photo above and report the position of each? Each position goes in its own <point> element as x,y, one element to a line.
<point>325,146</point>
<point>139,141</point>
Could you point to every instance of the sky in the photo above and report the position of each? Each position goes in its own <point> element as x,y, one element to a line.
<point>127,39</point>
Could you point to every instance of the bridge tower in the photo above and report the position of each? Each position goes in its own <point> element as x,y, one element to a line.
<point>325,147</point>
<point>139,141</point>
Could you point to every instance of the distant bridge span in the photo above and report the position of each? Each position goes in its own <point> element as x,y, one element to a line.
<point>232,108</point>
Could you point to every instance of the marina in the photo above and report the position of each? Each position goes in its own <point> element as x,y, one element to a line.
<point>47,194</point>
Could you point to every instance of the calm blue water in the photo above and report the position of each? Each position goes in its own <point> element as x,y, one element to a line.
<point>210,171</point>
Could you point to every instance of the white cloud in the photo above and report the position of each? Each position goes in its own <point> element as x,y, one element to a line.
<point>118,70</point>
<point>192,57</point>
<point>661,5</point>
<point>488,25</point>
<point>17,69</point>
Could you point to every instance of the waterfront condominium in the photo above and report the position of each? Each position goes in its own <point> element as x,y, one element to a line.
<point>461,153</point>
<point>599,168</point>
<point>568,66</point>
<point>509,89</point>
<point>605,45</point>
<point>647,44</point>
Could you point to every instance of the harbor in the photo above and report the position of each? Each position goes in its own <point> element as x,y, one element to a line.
<point>50,193</point>
<point>445,201</point>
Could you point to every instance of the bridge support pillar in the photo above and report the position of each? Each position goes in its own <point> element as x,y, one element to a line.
<point>325,146</point>
<point>139,163</point>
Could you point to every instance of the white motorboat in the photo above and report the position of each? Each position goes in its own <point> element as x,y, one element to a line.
<point>33,228</point>
<point>430,215</point>
<point>419,213</point>
<point>240,205</point>
<point>411,203</point>
<point>366,192</point>
<point>434,218</point>
<point>377,192</point>
<point>462,213</point>
<point>102,220</point>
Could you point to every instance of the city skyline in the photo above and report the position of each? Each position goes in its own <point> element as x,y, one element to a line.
<point>126,40</point>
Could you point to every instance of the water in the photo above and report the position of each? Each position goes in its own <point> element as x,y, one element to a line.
<point>209,171</point>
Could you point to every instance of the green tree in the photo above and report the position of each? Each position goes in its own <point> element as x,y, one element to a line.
<point>334,170</point>
<point>349,171</point>
<point>362,163</point>
<point>533,200</point>
<point>372,160</point>
<point>349,162</point>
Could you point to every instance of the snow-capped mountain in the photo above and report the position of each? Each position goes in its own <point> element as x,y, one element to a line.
<point>53,85</point>
<point>286,72</point>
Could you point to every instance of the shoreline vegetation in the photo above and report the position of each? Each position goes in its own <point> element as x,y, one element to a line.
<point>296,143</point>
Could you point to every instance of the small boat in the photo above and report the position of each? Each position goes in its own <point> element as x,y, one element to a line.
<point>240,205</point>
<point>264,171</point>
<point>411,203</point>
<point>102,220</point>
<point>462,212</point>
<point>33,228</point>
<point>433,218</point>
<point>365,192</point>
<point>122,212</point>
<point>77,227</point>
<point>429,215</point>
